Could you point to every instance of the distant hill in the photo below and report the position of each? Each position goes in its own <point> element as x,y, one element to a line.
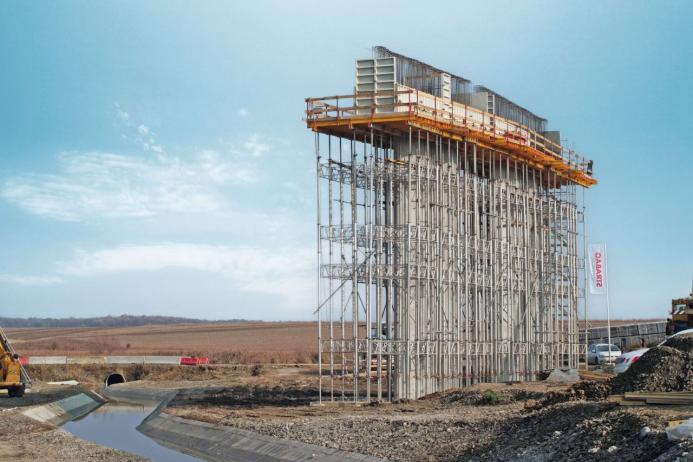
<point>124,320</point>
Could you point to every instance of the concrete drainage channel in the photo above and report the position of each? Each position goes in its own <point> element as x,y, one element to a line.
<point>120,416</point>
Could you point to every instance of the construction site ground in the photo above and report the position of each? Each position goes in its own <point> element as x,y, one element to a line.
<point>525,424</point>
<point>536,421</point>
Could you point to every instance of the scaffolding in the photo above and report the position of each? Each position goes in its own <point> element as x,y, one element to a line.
<point>449,248</point>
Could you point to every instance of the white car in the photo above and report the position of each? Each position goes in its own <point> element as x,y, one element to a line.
<point>624,361</point>
<point>628,359</point>
<point>598,353</point>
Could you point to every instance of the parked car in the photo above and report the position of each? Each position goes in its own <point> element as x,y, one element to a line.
<point>628,359</point>
<point>624,361</point>
<point>599,353</point>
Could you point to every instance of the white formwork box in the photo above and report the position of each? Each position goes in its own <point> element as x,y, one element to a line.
<point>374,76</point>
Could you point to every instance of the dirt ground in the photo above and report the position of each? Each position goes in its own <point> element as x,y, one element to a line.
<point>535,421</point>
<point>525,422</point>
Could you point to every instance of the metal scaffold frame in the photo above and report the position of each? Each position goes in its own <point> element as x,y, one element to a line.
<point>444,259</point>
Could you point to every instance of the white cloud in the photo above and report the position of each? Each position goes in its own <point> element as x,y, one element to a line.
<point>243,112</point>
<point>255,146</point>
<point>212,163</point>
<point>104,185</point>
<point>96,185</point>
<point>122,115</point>
<point>287,273</point>
<point>31,280</point>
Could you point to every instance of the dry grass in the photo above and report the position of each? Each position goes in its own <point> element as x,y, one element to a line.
<point>229,343</point>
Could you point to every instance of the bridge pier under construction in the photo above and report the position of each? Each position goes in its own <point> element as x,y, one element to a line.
<point>450,235</point>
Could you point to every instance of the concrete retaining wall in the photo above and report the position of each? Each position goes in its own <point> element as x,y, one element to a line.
<point>168,360</point>
<point>86,360</point>
<point>66,409</point>
<point>124,393</point>
<point>218,443</point>
<point>47,360</point>
<point>124,359</point>
<point>172,360</point>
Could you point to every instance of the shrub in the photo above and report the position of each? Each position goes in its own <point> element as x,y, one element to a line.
<point>490,398</point>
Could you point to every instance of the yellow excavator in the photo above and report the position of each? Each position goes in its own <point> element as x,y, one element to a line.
<point>681,314</point>
<point>13,377</point>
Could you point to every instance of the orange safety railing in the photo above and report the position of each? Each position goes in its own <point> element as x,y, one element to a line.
<point>412,105</point>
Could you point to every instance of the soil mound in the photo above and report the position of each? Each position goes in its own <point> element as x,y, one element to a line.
<point>683,343</point>
<point>593,390</point>
<point>587,390</point>
<point>665,368</point>
<point>486,397</point>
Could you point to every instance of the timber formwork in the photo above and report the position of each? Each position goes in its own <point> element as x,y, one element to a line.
<point>448,240</point>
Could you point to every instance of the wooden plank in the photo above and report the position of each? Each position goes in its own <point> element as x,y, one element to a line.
<point>659,393</point>
<point>641,396</point>
<point>669,400</point>
<point>633,403</point>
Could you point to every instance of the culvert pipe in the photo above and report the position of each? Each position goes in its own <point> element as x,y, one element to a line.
<point>114,378</point>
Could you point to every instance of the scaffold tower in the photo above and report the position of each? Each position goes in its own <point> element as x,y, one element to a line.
<point>449,232</point>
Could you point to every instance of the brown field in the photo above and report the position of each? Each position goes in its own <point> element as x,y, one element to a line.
<point>252,342</point>
<point>228,343</point>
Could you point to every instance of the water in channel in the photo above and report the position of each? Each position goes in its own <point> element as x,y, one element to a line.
<point>115,426</point>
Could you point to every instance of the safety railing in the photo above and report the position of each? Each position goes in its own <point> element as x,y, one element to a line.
<point>411,103</point>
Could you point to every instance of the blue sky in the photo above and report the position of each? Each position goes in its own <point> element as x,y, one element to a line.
<point>155,160</point>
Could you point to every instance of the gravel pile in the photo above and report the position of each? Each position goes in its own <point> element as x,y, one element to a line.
<point>411,436</point>
<point>593,390</point>
<point>587,390</point>
<point>481,398</point>
<point>683,343</point>
<point>579,432</point>
<point>665,368</point>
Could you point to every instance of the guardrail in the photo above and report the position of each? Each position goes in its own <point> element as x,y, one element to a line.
<point>629,336</point>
